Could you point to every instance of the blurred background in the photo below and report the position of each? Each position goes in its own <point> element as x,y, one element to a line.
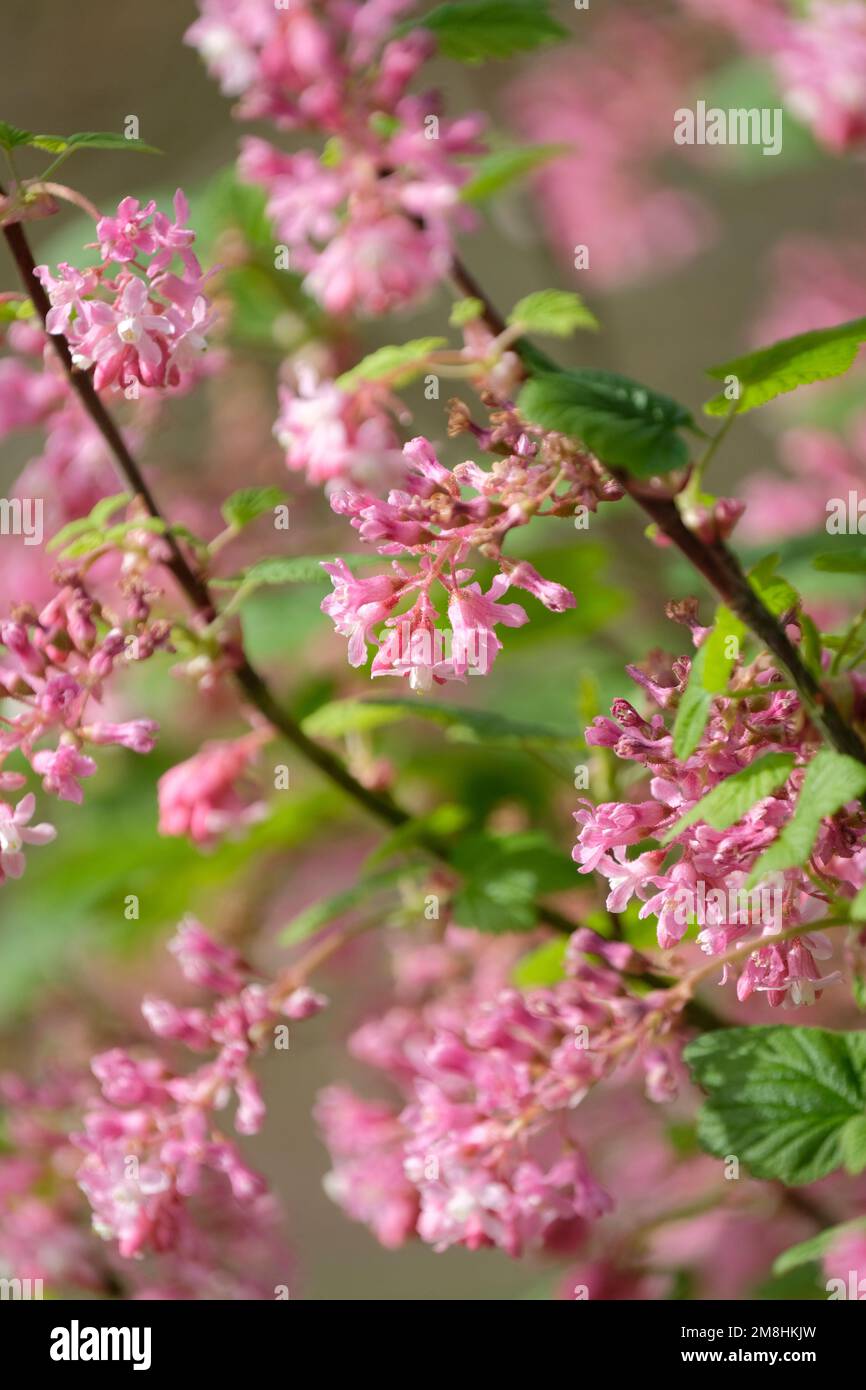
<point>692,253</point>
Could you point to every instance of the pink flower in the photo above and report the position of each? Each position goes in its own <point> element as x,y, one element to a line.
<point>473,616</point>
<point>127,235</point>
<point>60,770</point>
<point>201,797</point>
<point>16,831</point>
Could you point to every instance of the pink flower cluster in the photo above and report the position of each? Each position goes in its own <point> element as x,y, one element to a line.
<point>369,224</point>
<point>150,1142</point>
<point>339,437</point>
<point>229,1252</point>
<point>435,520</point>
<point>610,103</point>
<point>818,53</point>
<point>700,878</point>
<point>54,668</point>
<point>145,325</point>
<point>486,1147</point>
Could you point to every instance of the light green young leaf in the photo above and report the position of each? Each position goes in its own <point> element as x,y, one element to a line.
<point>341,717</point>
<point>543,967</point>
<point>365,893</point>
<point>831,781</point>
<point>731,799</point>
<point>399,364</point>
<point>501,168</point>
<point>693,710</point>
<point>288,569</point>
<point>776,594</point>
<point>721,648</point>
<point>556,313</point>
<point>11,136</point>
<point>848,562</point>
<point>815,1248</point>
<point>248,503</point>
<point>793,362</point>
<point>779,1097</point>
<point>95,521</point>
<point>624,423</point>
<point>473,30</point>
<point>465,311</point>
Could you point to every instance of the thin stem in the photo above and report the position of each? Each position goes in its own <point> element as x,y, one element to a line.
<point>719,567</point>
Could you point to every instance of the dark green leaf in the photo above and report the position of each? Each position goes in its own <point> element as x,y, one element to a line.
<point>779,1097</point>
<point>473,30</point>
<point>623,423</point>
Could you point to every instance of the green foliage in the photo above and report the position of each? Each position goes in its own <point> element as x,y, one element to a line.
<point>286,569</point>
<point>12,137</point>
<point>249,503</point>
<point>625,424</point>
<point>399,365</point>
<point>465,311</point>
<point>501,168</point>
<point>850,562</point>
<point>776,594</point>
<point>788,1102</point>
<point>831,781</point>
<point>542,967</point>
<point>464,725</point>
<point>556,313</point>
<point>502,877</point>
<point>731,799</point>
<point>367,893</point>
<point>807,1251</point>
<point>472,31</point>
<point>711,669</point>
<point>793,362</point>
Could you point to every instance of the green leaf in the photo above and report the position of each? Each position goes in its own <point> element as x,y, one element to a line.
<point>736,795</point>
<point>341,717</point>
<point>815,1248</point>
<point>693,710</point>
<point>556,313</point>
<point>503,876</point>
<point>624,424</point>
<point>793,362</point>
<point>542,967</point>
<point>11,136</point>
<point>717,664</point>
<point>465,311</point>
<point>853,1143</point>
<point>399,364</point>
<point>366,892</point>
<point>473,30</point>
<point>96,520</point>
<point>288,569</point>
<point>779,1097</point>
<point>776,594</point>
<point>498,170</point>
<point>852,562</point>
<point>831,781</point>
<point>248,503</point>
<point>92,140</point>
<point>14,310</point>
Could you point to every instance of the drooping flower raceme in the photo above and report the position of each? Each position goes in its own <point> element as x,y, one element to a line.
<point>701,877</point>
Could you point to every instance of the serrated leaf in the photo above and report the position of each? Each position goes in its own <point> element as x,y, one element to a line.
<point>776,594</point>
<point>814,1249</point>
<point>793,362</point>
<point>103,140</point>
<point>500,169</point>
<point>11,136</point>
<point>623,423</point>
<point>831,781</point>
<point>289,569</point>
<point>503,876</point>
<point>731,799</point>
<point>556,313</point>
<point>473,30</point>
<point>779,1097</point>
<point>399,364</point>
<point>341,717</point>
<point>248,503</point>
<point>96,520</point>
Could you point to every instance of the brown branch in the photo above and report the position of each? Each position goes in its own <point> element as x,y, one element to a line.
<point>720,568</point>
